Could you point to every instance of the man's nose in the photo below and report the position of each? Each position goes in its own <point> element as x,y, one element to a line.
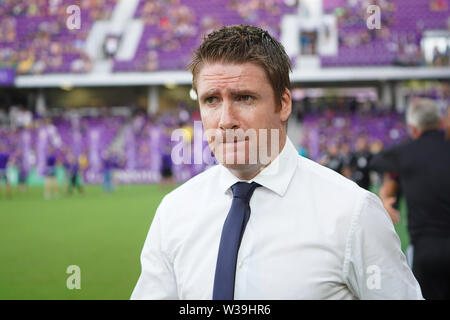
<point>228,118</point>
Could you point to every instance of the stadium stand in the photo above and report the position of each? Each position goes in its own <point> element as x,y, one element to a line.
<point>396,43</point>
<point>338,128</point>
<point>34,38</point>
<point>173,29</point>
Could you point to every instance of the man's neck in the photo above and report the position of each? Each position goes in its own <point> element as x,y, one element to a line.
<point>425,132</point>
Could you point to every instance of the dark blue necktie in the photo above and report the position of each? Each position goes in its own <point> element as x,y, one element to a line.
<point>232,232</point>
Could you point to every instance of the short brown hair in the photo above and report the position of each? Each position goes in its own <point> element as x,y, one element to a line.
<point>241,44</point>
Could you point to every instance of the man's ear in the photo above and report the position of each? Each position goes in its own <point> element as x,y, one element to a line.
<point>286,105</point>
<point>442,123</point>
<point>415,133</point>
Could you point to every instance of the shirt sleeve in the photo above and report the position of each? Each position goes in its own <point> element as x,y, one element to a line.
<point>157,279</point>
<point>374,265</point>
<point>385,161</point>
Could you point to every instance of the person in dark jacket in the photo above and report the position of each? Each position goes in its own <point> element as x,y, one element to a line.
<point>422,170</point>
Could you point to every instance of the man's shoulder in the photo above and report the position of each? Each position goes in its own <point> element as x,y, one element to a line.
<point>336,201</point>
<point>399,148</point>
<point>331,189</point>
<point>433,139</point>
<point>191,189</point>
<point>326,177</point>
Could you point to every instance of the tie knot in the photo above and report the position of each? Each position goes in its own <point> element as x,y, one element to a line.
<point>244,190</point>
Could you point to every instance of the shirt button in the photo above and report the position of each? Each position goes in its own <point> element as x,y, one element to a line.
<point>240,264</point>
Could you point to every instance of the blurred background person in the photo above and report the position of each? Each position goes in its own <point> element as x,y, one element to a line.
<point>422,167</point>
<point>107,168</point>
<point>346,156</point>
<point>22,172</point>
<point>359,163</point>
<point>4,158</point>
<point>332,158</point>
<point>51,184</point>
<point>167,174</point>
<point>74,179</point>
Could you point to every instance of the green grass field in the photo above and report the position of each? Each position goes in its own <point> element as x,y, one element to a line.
<point>101,233</point>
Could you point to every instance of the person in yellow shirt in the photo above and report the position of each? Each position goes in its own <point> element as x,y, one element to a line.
<point>25,65</point>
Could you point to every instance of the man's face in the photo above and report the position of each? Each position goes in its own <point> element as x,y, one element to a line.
<point>238,100</point>
<point>333,150</point>
<point>361,144</point>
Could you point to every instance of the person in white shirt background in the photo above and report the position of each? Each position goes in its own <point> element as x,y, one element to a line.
<point>311,233</point>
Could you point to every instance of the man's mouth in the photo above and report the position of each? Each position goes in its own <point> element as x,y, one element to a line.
<point>236,140</point>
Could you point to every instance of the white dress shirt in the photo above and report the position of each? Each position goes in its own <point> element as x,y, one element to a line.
<point>312,234</point>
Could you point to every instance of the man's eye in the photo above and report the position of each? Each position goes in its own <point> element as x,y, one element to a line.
<point>245,98</point>
<point>211,100</point>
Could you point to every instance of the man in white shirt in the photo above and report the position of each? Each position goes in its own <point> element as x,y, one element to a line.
<point>311,233</point>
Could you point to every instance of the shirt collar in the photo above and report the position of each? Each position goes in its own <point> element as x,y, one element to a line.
<point>276,176</point>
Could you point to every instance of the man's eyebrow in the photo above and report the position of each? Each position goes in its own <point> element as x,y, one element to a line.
<point>242,92</point>
<point>233,92</point>
<point>210,92</point>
